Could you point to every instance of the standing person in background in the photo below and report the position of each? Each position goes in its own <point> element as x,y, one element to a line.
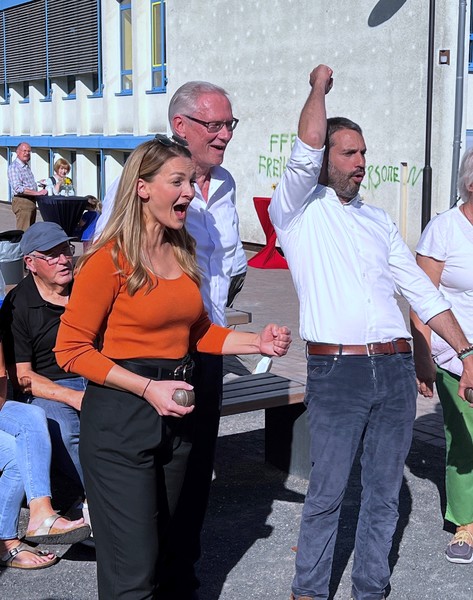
<point>201,114</point>
<point>201,117</point>
<point>22,181</point>
<point>361,384</point>
<point>445,253</point>
<point>147,307</point>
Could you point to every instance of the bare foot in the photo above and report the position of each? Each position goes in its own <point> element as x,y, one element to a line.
<point>23,558</point>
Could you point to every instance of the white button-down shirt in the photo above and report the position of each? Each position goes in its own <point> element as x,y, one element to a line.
<point>347,260</point>
<point>214,225</point>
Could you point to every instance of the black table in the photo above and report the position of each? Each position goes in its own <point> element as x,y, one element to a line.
<point>66,211</point>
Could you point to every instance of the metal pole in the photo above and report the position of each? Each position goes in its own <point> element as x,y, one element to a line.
<point>427,172</point>
<point>457,128</point>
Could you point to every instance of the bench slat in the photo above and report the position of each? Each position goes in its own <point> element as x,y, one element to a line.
<point>256,392</point>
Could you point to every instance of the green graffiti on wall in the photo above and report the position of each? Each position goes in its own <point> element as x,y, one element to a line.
<point>271,164</point>
<point>378,174</point>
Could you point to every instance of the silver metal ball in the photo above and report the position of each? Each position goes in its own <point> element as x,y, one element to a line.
<point>184,397</point>
<point>469,395</point>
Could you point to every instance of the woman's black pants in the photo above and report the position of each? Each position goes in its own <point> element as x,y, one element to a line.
<point>124,446</point>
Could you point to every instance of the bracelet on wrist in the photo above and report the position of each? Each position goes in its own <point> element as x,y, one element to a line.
<point>146,387</point>
<point>468,351</point>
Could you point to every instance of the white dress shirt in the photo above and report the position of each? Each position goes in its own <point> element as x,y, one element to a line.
<point>347,260</point>
<point>214,225</point>
<point>107,206</point>
<point>448,237</point>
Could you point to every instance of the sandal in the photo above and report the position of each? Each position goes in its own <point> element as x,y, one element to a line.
<point>8,559</point>
<point>47,534</point>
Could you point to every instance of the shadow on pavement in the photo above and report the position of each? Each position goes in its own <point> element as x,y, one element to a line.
<point>241,501</point>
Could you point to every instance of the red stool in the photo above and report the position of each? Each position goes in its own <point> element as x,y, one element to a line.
<point>268,257</point>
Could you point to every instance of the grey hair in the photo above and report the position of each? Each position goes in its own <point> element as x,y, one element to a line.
<point>185,98</point>
<point>465,174</point>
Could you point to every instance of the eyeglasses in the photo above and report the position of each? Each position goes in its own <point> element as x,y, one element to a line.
<point>53,259</point>
<point>215,126</point>
<point>164,140</point>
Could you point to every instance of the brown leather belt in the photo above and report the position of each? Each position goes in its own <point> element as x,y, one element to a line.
<point>396,346</point>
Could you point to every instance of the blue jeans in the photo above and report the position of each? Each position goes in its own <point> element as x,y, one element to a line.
<point>25,461</point>
<point>349,398</point>
<point>64,429</point>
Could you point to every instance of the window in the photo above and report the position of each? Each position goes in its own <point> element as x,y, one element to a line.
<point>3,64</point>
<point>70,88</point>
<point>158,46</point>
<point>24,91</point>
<point>65,37</point>
<point>126,49</point>
<point>470,65</point>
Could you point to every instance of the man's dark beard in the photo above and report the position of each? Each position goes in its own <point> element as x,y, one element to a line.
<point>342,184</point>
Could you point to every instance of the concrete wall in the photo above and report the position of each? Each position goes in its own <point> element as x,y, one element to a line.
<point>262,52</point>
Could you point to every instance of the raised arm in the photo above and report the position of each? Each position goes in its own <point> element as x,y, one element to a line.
<point>301,175</point>
<point>313,120</point>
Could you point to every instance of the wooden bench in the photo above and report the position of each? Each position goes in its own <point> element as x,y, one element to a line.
<point>286,431</point>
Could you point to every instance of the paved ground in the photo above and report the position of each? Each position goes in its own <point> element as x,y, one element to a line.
<point>255,509</point>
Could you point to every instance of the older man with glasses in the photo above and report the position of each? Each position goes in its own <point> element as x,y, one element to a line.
<point>24,187</point>
<point>30,318</point>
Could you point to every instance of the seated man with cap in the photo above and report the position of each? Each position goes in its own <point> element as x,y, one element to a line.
<point>30,318</point>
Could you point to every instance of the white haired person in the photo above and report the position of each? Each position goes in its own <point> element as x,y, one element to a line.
<point>445,253</point>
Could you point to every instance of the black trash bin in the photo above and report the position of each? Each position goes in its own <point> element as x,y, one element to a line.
<point>11,257</point>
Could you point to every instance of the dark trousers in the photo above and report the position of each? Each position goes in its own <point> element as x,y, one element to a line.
<point>179,577</point>
<point>349,398</point>
<point>124,448</point>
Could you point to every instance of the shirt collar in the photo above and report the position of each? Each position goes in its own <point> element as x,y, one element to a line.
<point>32,297</point>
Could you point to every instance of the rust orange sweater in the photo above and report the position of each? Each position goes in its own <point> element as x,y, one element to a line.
<point>164,323</point>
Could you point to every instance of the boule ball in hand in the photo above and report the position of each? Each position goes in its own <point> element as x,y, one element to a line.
<point>184,397</point>
<point>469,395</point>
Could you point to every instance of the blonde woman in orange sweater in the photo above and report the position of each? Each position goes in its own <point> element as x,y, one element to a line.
<point>137,289</point>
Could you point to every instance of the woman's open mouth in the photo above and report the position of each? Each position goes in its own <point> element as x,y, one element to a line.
<point>181,209</point>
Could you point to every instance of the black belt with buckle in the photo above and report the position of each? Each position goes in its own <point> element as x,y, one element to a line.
<point>160,368</point>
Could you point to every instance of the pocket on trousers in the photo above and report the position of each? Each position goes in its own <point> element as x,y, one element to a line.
<point>321,366</point>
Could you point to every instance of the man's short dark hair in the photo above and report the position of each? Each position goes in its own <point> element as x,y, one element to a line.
<point>336,124</point>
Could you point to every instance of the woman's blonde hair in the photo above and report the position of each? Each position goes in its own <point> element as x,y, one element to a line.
<point>61,162</point>
<point>126,227</point>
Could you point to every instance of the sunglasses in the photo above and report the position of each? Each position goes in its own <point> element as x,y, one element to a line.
<point>175,140</point>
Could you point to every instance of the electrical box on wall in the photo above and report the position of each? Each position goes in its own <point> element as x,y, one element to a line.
<point>444,57</point>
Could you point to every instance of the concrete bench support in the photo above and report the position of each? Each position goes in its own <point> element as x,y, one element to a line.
<point>286,432</point>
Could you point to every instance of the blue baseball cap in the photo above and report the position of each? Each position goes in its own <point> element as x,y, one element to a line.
<point>42,236</point>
